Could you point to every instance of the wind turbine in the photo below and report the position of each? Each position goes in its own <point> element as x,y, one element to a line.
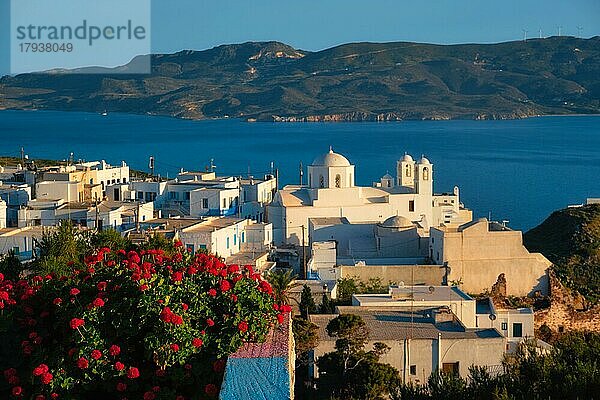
<point>524,35</point>
<point>559,27</point>
<point>579,31</point>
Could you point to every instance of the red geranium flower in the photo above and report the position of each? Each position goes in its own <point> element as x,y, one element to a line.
<point>212,292</point>
<point>114,350</point>
<point>225,285</point>
<point>98,302</point>
<point>17,390</point>
<point>175,347</point>
<point>121,387</point>
<point>101,286</point>
<point>40,370</point>
<point>210,322</point>
<point>177,276</point>
<point>243,326</point>
<point>96,354</point>
<point>211,390</point>
<point>197,342</point>
<point>133,373</point>
<point>46,378</point>
<point>76,323</point>
<point>82,363</point>
<point>119,366</point>
<point>74,292</point>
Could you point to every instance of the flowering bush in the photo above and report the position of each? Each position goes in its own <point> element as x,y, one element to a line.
<point>132,326</point>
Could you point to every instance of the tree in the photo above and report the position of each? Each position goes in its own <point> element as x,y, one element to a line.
<point>350,372</point>
<point>327,306</point>
<point>60,248</point>
<point>307,303</point>
<point>10,266</point>
<point>282,282</point>
<point>111,239</point>
<point>345,289</point>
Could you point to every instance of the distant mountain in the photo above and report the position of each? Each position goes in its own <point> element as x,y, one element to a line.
<point>570,238</point>
<point>354,82</point>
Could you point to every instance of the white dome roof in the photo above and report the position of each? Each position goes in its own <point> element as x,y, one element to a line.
<point>397,221</point>
<point>407,158</point>
<point>424,160</point>
<point>331,159</point>
<point>387,176</point>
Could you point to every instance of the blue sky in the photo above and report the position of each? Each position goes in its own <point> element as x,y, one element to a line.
<point>318,24</point>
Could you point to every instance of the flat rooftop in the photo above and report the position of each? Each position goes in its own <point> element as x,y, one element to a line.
<point>170,223</point>
<point>416,293</point>
<point>212,224</point>
<point>396,325</point>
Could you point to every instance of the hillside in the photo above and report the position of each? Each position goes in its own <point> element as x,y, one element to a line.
<point>570,238</point>
<point>359,81</point>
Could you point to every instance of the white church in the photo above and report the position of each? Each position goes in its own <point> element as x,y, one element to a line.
<point>331,193</point>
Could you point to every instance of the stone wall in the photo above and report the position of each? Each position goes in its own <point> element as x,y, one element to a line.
<point>409,274</point>
<point>566,311</point>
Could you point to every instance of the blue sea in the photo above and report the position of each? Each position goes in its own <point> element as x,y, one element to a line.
<point>516,170</point>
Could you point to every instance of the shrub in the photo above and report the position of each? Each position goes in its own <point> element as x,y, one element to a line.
<point>131,325</point>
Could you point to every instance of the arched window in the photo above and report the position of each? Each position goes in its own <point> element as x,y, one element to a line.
<point>321,181</point>
<point>408,172</point>
<point>338,181</point>
<point>425,174</point>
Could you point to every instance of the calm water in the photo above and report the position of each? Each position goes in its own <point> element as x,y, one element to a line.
<point>517,170</point>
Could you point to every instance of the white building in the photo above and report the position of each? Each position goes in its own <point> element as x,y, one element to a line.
<point>2,214</point>
<point>226,236</point>
<point>331,192</point>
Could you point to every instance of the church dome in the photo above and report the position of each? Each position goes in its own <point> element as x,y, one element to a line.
<point>424,160</point>
<point>331,159</point>
<point>397,221</point>
<point>407,158</point>
<point>387,176</point>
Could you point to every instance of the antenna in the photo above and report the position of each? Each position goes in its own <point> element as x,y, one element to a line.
<point>213,166</point>
<point>559,28</point>
<point>524,34</point>
<point>301,173</point>
<point>540,32</point>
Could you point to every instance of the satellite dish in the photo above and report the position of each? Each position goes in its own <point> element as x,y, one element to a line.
<point>492,317</point>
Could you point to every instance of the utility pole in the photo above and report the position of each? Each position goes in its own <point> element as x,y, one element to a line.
<point>304,272</point>
<point>137,216</point>
<point>301,173</point>
<point>97,229</point>
<point>22,157</point>
<point>151,166</point>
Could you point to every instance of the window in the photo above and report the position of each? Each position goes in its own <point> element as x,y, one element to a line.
<point>124,180</point>
<point>338,181</point>
<point>224,203</point>
<point>189,248</point>
<point>517,329</point>
<point>243,238</point>
<point>172,195</point>
<point>407,171</point>
<point>425,174</point>
<point>234,239</point>
<point>411,206</point>
<point>187,195</point>
<point>92,181</point>
<point>140,195</point>
<point>450,368</point>
<point>413,369</point>
<point>204,203</point>
<point>227,241</point>
<point>504,326</point>
<point>116,194</point>
<point>321,181</point>
<point>150,196</point>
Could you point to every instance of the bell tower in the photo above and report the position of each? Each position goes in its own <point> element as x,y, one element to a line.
<point>424,178</point>
<point>405,171</point>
